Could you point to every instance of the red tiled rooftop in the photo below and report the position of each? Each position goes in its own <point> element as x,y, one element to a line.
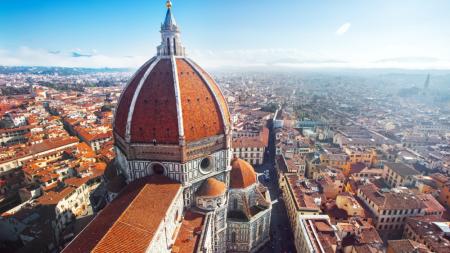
<point>391,200</point>
<point>242,174</point>
<point>130,221</point>
<point>124,103</point>
<point>304,197</point>
<point>201,113</point>
<point>52,198</point>
<point>189,233</point>
<point>217,91</point>
<point>155,112</point>
<point>52,143</point>
<point>76,182</point>
<point>212,188</point>
<point>431,204</point>
<point>244,142</point>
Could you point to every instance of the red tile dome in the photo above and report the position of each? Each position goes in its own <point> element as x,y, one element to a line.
<point>168,100</point>
<point>211,188</point>
<point>242,174</point>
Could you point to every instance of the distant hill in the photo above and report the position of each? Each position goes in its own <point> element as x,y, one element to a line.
<point>58,70</point>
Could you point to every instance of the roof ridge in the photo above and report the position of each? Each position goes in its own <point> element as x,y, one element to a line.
<point>120,216</point>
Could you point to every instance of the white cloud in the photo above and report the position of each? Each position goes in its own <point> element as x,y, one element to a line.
<point>25,56</point>
<point>256,58</point>
<point>343,28</point>
<point>295,58</point>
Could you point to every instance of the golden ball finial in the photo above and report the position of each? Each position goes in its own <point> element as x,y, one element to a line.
<point>168,4</point>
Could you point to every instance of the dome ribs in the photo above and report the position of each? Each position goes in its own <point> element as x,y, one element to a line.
<point>155,113</point>
<point>123,107</point>
<point>199,113</point>
<point>220,98</point>
<point>242,174</point>
<point>171,101</point>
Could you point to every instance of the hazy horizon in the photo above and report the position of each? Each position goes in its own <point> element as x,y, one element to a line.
<point>240,34</point>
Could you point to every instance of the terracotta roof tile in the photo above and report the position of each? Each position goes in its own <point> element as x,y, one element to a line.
<point>201,113</point>
<point>155,113</point>
<point>218,92</point>
<point>211,188</point>
<point>189,234</point>
<point>402,169</point>
<point>242,174</point>
<point>123,105</point>
<point>130,221</point>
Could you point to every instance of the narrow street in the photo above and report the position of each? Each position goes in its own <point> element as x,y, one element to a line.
<point>281,234</point>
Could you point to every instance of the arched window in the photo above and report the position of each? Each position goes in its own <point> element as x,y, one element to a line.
<point>158,169</point>
<point>233,237</point>
<point>235,204</point>
<point>168,46</point>
<point>174,47</point>
<point>260,229</point>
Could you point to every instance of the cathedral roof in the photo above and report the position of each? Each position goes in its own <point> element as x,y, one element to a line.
<point>169,99</point>
<point>189,235</point>
<point>242,174</point>
<point>129,222</point>
<point>211,188</point>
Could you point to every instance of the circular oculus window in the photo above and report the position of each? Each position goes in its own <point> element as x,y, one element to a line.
<point>205,165</point>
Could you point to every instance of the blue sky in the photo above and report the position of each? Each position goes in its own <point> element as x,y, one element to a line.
<point>222,33</point>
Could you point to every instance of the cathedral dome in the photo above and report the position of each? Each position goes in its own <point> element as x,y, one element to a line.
<point>242,174</point>
<point>211,188</point>
<point>170,100</point>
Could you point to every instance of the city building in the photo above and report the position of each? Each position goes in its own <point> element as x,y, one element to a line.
<point>361,155</point>
<point>46,149</point>
<point>390,208</point>
<point>301,197</point>
<point>432,231</point>
<point>399,174</point>
<point>406,246</point>
<point>250,149</point>
<point>444,195</point>
<point>359,236</point>
<point>315,233</point>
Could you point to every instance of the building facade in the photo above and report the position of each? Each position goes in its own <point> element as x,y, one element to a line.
<point>390,208</point>
<point>399,174</point>
<point>315,233</point>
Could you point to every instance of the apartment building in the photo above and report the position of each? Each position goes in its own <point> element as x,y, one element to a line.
<point>399,174</point>
<point>390,208</point>
<point>316,234</point>
<point>301,197</point>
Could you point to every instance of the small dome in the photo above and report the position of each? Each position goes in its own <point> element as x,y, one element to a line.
<point>242,174</point>
<point>211,188</point>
